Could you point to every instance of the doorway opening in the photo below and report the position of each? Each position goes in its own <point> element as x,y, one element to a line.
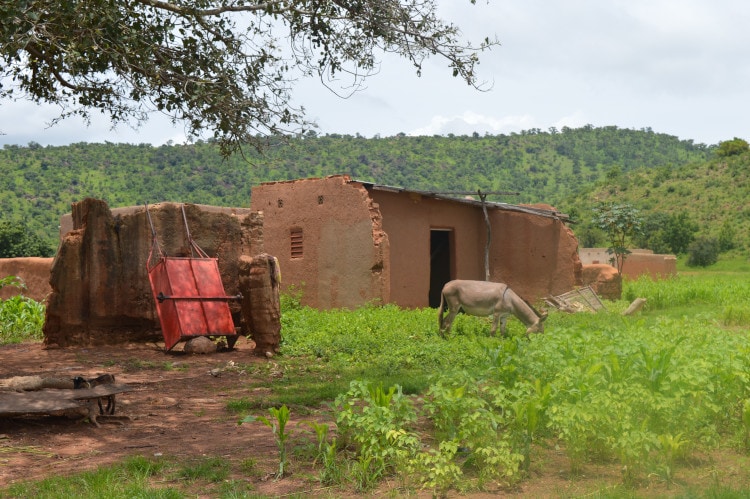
<point>441,263</point>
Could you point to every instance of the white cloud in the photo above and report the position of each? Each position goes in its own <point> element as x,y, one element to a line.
<point>470,122</point>
<point>675,66</point>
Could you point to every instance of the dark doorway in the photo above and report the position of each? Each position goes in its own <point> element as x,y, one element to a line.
<point>441,243</point>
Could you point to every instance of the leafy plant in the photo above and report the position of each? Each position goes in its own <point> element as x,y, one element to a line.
<point>375,422</point>
<point>732,147</point>
<point>16,240</point>
<point>21,318</point>
<point>621,222</point>
<point>212,469</point>
<point>278,427</point>
<point>703,252</point>
<point>745,417</point>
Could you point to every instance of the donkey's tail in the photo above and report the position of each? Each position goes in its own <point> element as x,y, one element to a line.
<point>441,309</point>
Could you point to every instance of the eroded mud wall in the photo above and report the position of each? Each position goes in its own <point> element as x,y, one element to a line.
<point>100,288</point>
<point>328,237</point>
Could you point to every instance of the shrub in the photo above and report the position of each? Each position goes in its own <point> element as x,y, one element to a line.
<point>703,252</point>
<point>732,147</point>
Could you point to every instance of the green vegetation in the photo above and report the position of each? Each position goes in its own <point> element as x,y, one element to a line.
<point>733,147</point>
<point>21,318</point>
<point>133,478</point>
<point>651,395</point>
<point>17,241</point>
<point>277,423</point>
<point>621,223</point>
<point>569,169</point>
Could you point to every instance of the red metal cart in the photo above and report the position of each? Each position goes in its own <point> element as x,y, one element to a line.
<point>190,297</point>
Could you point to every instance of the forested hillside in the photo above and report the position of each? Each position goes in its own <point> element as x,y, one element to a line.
<point>569,168</point>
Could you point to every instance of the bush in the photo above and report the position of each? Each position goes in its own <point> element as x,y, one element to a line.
<point>17,241</point>
<point>732,147</point>
<point>703,252</point>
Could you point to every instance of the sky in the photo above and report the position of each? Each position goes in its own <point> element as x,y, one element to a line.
<point>678,67</point>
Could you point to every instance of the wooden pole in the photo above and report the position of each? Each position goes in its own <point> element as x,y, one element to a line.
<point>483,197</point>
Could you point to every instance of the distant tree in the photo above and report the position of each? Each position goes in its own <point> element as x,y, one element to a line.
<point>621,222</point>
<point>667,233</point>
<point>679,232</point>
<point>652,233</point>
<point>732,147</point>
<point>704,251</point>
<point>17,241</point>
<point>227,67</point>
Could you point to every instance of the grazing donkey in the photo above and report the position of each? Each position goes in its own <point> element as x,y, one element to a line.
<point>483,298</point>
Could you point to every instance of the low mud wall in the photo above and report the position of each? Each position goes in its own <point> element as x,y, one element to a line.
<point>34,273</point>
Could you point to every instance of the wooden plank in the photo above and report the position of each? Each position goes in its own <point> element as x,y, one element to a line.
<point>50,400</point>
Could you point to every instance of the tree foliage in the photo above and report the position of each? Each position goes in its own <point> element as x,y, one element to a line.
<point>621,222</point>
<point>38,184</point>
<point>225,66</point>
<point>732,147</point>
<point>667,232</point>
<point>17,241</point>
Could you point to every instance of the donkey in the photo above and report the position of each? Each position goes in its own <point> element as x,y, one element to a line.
<point>483,298</point>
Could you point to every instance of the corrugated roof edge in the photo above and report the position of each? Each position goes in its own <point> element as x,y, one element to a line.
<point>490,204</point>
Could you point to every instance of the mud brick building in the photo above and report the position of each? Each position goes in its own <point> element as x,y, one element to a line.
<point>345,243</point>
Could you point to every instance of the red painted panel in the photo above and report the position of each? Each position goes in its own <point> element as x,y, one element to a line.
<point>195,302</point>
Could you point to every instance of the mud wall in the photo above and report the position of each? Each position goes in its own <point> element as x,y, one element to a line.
<point>639,262</point>
<point>99,279</point>
<point>35,273</point>
<point>361,244</point>
<point>408,219</point>
<point>328,237</point>
<point>536,256</point>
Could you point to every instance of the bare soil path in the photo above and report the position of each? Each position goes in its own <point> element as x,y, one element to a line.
<point>178,407</point>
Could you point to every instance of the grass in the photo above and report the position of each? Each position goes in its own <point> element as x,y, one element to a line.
<point>139,476</point>
<point>642,394</point>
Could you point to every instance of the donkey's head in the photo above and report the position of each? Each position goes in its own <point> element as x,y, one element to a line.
<point>538,326</point>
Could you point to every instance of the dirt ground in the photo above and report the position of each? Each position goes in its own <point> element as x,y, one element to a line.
<point>178,406</point>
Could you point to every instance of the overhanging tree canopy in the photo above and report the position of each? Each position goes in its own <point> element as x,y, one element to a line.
<point>224,66</point>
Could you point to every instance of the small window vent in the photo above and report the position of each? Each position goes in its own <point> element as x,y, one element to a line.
<point>295,237</point>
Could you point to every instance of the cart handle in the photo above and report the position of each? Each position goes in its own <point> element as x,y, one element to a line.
<point>161,297</point>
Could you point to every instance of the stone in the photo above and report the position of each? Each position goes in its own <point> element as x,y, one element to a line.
<point>200,344</point>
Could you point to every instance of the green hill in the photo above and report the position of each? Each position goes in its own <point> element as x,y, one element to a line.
<point>569,169</point>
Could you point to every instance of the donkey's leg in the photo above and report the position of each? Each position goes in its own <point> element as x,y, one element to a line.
<point>448,321</point>
<point>495,321</point>
<point>503,323</point>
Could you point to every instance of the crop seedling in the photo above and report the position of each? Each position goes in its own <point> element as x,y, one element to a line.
<point>278,427</point>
